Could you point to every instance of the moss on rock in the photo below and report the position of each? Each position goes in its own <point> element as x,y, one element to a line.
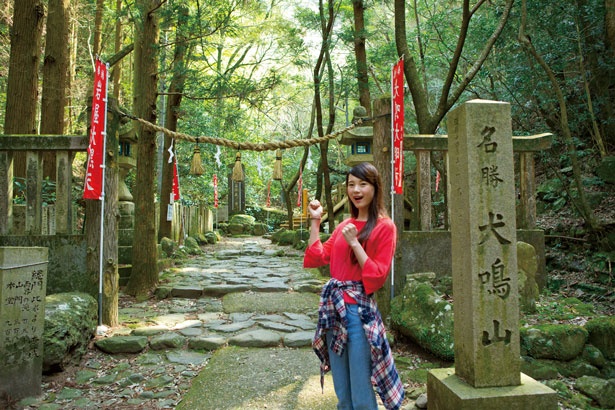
<point>422,315</point>
<point>558,342</point>
<point>602,335</point>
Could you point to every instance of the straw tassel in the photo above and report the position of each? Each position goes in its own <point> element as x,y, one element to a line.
<point>237,169</point>
<point>277,166</point>
<point>196,168</point>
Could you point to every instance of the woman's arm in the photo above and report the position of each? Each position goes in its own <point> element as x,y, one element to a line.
<point>315,210</point>
<point>380,248</point>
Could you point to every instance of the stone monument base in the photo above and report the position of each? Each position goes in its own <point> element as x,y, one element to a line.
<point>446,391</point>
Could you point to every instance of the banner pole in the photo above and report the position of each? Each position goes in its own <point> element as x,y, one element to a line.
<point>102,199</point>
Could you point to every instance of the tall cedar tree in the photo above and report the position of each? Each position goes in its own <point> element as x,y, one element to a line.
<point>144,274</point>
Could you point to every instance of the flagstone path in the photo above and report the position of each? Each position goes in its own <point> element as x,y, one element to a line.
<point>229,329</point>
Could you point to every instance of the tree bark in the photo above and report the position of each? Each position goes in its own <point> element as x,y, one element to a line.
<point>22,84</point>
<point>116,72</point>
<point>111,277</point>
<point>144,259</point>
<point>176,89</point>
<point>98,18</point>
<point>360,53</point>
<point>327,26</point>
<point>55,69</point>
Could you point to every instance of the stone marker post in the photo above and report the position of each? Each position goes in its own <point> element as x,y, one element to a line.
<point>23,281</point>
<point>485,291</point>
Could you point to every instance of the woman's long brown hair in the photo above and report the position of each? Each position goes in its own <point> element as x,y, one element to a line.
<point>367,172</point>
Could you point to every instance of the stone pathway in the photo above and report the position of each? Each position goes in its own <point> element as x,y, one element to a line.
<point>243,304</point>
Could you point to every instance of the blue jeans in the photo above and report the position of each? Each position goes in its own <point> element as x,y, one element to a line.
<point>352,371</point>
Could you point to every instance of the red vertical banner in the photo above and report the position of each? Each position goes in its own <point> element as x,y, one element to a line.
<point>92,188</point>
<point>215,190</point>
<point>176,195</point>
<point>300,188</point>
<point>397,85</point>
<point>268,203</point>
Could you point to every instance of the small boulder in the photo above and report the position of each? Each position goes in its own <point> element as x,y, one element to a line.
<point>594,356</point>
<point>237,229</point>
<point>169,247</point>
<point>260,229</point>
<point>424,316</point>
<point>167,340</point>
<point>602,335</point>
<point>70,323</point>
<point>603,391</point>
<point>192,246</point>
<point>122,344</point>
<point>212,237</point>
<point>527,263</point>
<point>242,219</point>
<point>557,342</point>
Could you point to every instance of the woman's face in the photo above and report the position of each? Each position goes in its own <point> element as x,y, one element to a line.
<point>360,192</point>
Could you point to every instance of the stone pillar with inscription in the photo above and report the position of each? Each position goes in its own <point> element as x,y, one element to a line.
<point>485,291</point>
<point>23,281</point>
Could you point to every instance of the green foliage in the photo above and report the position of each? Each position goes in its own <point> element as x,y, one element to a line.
<point>552,195</point>
<point>48,191</point>
<point>551,309</point>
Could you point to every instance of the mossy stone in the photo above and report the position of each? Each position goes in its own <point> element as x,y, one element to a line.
<point>558,342</point>
<point>602,335</point>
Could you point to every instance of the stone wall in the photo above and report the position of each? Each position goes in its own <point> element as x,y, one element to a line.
<point>430,251</point>
<point>66,268</point>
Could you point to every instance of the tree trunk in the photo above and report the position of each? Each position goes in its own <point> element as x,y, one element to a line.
<point>382,161</point>
<point>55,68</point>
<point>176,89</point>
<point>111,277</point>
<point>327,26</point>
<point>361,55</point>
<point>144,259</point>
<point>22,84</point>
<point>428,121</point>
<point>71,69</point>
<point>98,18</point>
<point>116,72</point>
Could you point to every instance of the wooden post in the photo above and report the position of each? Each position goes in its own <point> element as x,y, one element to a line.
<point>64,177</point>
<point>423,188</point>
<point>527,191</point>
<point>6,185</point>
<point>34,184</point>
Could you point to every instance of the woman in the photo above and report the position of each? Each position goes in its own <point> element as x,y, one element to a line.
<point>350,338</point>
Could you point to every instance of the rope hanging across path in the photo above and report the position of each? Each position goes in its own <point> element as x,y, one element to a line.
<point>268,146</point>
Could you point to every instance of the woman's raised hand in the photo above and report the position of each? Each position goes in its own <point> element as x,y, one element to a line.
<point>315,209</point>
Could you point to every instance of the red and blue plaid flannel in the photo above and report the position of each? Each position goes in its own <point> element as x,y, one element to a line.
<point>332,315</point>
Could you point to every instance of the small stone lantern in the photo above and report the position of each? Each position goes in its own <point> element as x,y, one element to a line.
<point>126,161</point>
<point>359,139</point>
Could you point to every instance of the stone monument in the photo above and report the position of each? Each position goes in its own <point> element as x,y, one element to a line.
<point>485,291</point>
<point>23,281</point>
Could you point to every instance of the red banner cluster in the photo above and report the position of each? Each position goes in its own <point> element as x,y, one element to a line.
<point>215,190</point>
<point>268,203</point>
<point>93,186</point>
<point>397,85</point>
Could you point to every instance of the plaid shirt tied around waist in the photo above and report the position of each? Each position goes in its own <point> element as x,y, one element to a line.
<point>332,315</point>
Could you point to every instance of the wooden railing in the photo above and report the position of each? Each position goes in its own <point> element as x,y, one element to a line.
<point>525,146</point>
<point>34,146</point>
